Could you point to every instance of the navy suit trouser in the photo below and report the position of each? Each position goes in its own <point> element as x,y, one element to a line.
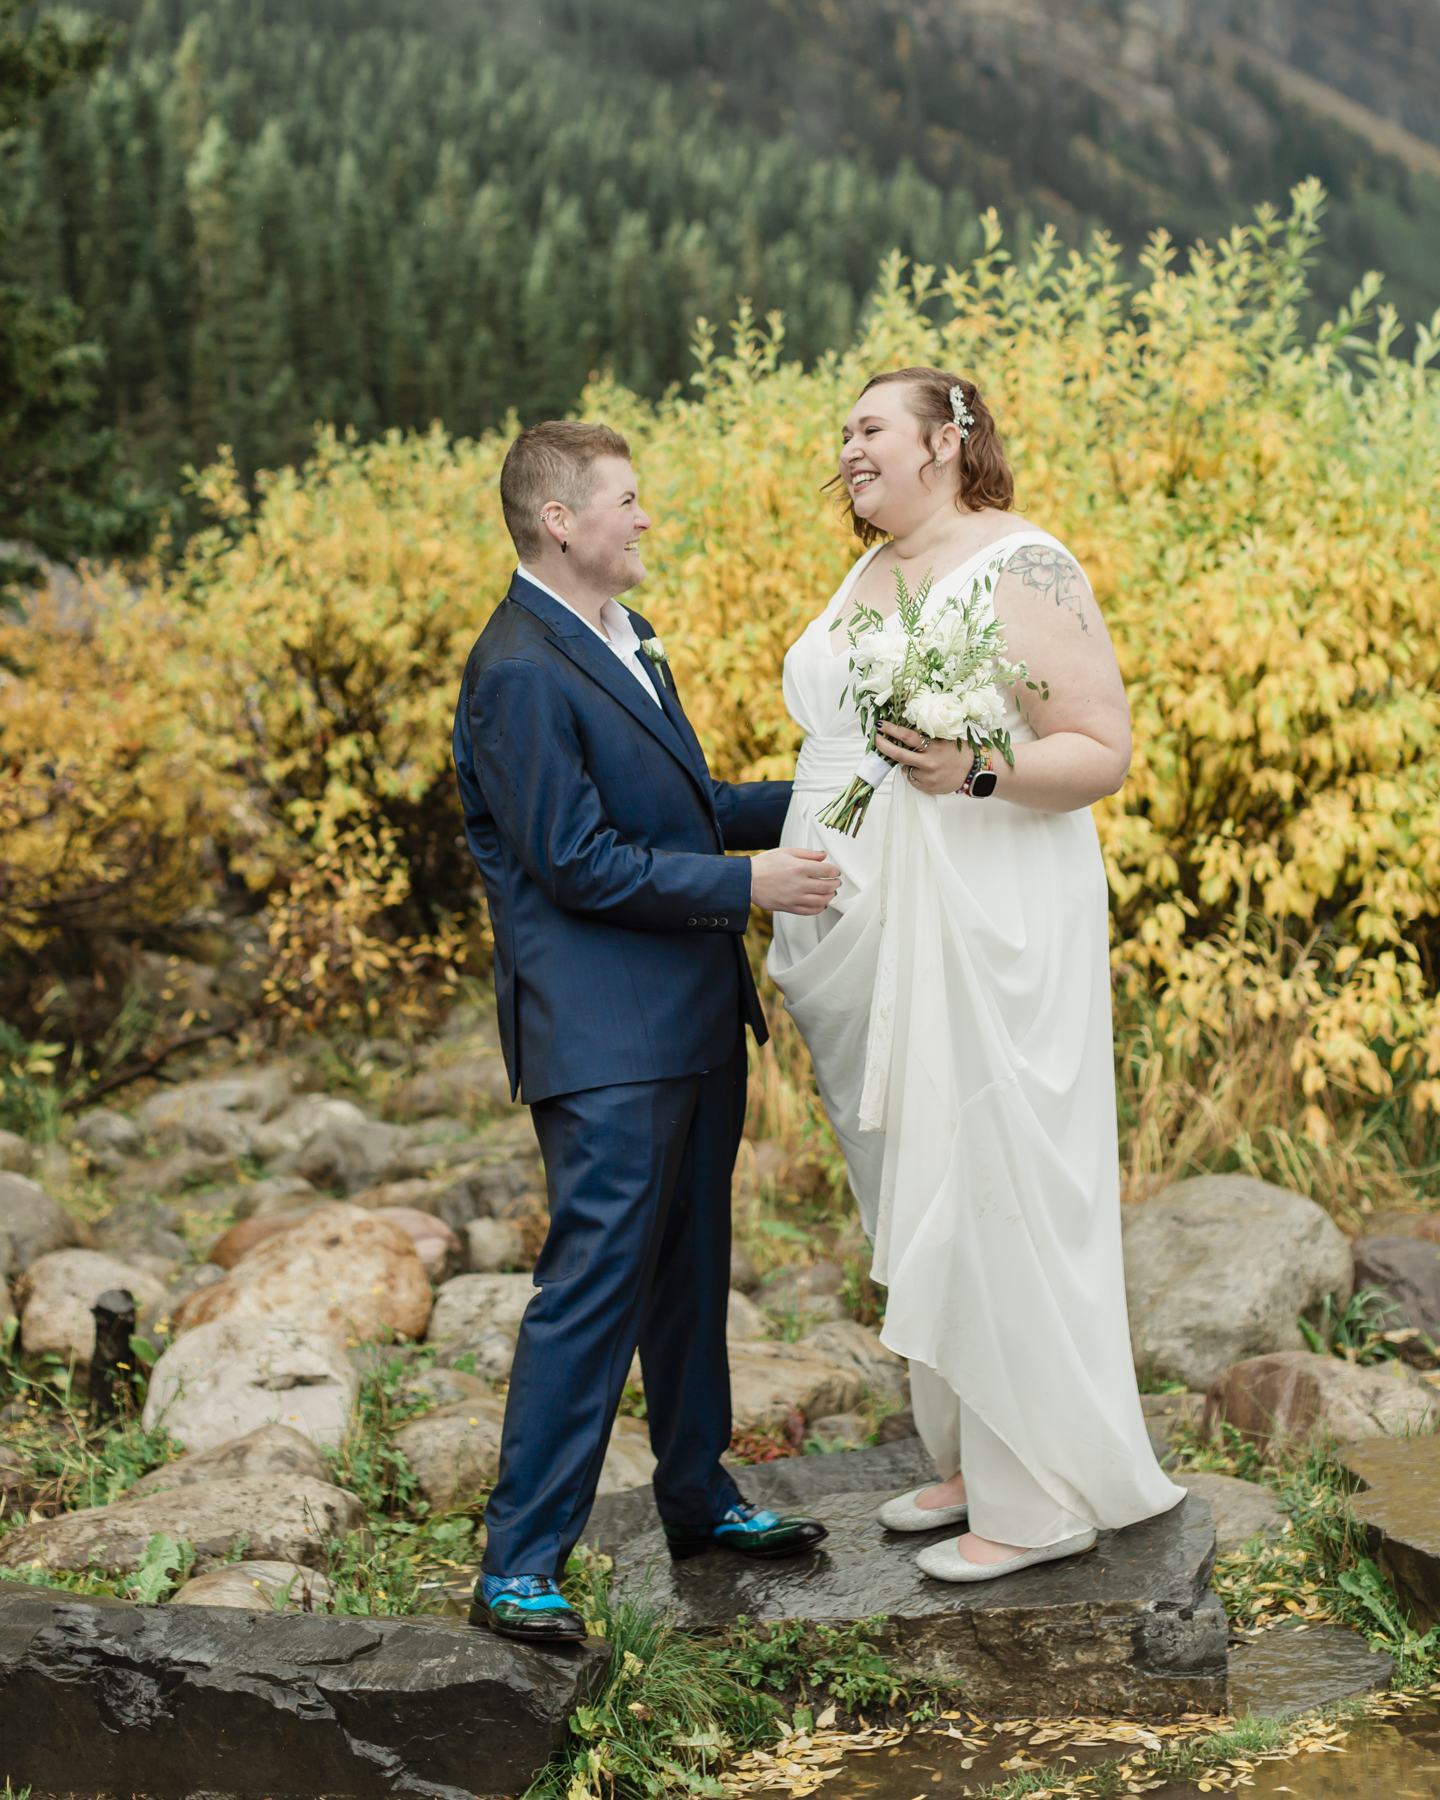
<point>638,1253</point>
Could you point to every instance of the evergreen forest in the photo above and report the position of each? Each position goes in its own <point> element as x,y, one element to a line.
<point>378,213</point>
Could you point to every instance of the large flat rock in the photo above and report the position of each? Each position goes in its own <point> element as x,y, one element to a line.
<point>1130,1627</point>
<point>1296,1668</point>
<point>1400,1506</point>
<point>174,1701</point>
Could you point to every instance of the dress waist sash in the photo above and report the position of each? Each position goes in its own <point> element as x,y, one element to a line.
<point>825,765</point>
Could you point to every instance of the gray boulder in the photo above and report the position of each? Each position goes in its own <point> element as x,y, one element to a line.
<point>744,1321</point>
<point>146,1226</point>
<point>282,1519</point>
<point>109,1136</point>
<point>255,1199</point>
<point>1219,1268</point>
<point>494,1244</point>
<point>455,1451</point>
<point>55,1168</point>
<point>17,1492</point>
<point>853,1346</point>
<point>476,1083</point>
<point>347,1155</point>
<point>174,1173</point>
<point>1407,1271</point>
<point>480,1315</point>
<point>168,1117</point>
<point>257,1587</point>
<point>17,1154</point>
<point>57,1294</point>
<point>32,1225</point>
<point>291,1130</point>
<point>226,1379</point>
<point>1240,1509</point>
<point>810,1292</point>
<point>270,1450</point>
<point>167,1701</point>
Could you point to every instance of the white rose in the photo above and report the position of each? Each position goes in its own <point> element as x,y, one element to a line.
<point>937,715</point>
<point>881,650</point>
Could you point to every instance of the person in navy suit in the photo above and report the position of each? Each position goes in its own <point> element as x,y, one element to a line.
<point>623,992</point>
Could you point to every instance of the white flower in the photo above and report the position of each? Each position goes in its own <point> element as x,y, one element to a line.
<point>881,649</point>
<point>653,648</point>
<point>949,715</point>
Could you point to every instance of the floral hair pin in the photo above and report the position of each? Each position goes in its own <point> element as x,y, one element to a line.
<point>961,413</point>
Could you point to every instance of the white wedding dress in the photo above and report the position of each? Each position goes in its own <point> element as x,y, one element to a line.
<point>955,998</point>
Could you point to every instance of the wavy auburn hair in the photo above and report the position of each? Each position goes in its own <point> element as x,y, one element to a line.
<point>985,478</point>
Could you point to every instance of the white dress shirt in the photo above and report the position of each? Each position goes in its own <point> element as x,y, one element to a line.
<point>619,634</point>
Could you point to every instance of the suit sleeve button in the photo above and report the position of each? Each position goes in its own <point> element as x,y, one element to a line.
<point>724,921</point>
<point>692,921</point>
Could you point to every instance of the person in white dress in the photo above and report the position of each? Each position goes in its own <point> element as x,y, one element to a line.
<point>955,999</point>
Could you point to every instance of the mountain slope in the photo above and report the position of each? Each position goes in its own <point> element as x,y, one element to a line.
<point>379,212</point>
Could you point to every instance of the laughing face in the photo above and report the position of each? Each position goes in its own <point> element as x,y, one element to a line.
<point>604,539</point>
<point>884,461</point>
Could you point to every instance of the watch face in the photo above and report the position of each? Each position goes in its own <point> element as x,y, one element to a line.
<point>983,784</point>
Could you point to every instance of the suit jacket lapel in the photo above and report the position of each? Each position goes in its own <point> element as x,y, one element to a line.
<point>685,731</point>
<point>576,640</point>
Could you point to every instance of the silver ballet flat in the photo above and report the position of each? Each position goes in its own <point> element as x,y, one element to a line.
<point>902,1514</point>
<point>945,1562</point>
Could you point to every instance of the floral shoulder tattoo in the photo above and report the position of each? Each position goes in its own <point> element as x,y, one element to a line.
<point>1054,573</point>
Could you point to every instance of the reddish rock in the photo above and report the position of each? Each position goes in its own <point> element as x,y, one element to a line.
<point>435,1243</point>
<point>342,1270</point>
<point>1294,1396</point>
<point>231,1246</point>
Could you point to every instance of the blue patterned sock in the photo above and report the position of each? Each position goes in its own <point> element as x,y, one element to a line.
<point>532,1593</point>
<point>743,1517</point>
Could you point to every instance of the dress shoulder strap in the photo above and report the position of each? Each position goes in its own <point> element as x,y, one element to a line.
<point>1004,548</point>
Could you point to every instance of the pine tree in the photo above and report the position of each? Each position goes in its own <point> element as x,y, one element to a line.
<point>60,489</point>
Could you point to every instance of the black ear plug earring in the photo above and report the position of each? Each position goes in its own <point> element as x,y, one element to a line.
<point>564,546</point>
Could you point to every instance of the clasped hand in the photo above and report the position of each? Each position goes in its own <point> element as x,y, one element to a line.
<point>793,880</point>
<point>931,767</point>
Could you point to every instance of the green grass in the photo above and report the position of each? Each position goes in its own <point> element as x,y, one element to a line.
<point>793,1657</point>
<point>671,1711</point>
<point>1321,1565</point>
<point>410,1550</point>
<point>165,1566</point>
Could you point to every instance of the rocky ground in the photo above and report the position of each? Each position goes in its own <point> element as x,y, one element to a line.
<point>329,1261</point>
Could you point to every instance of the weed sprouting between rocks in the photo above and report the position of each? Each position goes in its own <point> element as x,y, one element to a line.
<point>672,1710</point>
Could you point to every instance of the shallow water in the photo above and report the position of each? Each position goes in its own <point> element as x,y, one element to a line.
<point>1382,1759</point>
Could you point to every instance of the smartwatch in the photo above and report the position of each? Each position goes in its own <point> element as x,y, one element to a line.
<point>981,780</point>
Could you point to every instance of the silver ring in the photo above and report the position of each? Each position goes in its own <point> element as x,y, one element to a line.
<point>910,773</point>
<point>924,745</point>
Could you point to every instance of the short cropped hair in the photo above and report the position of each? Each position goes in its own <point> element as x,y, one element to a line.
<point>985,478</point>
<point>554,460</point>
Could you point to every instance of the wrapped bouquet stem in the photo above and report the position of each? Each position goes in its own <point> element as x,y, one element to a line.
<point>940,675</point>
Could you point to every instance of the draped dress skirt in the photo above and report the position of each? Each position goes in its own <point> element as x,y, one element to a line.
<point>955,999</point>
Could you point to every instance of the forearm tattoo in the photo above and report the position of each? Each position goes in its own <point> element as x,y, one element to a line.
<point>1052,572</point>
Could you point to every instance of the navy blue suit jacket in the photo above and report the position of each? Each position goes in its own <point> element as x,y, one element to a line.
<point>600,836</point>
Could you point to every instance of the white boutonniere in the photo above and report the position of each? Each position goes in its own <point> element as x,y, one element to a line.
<point>655,650</point>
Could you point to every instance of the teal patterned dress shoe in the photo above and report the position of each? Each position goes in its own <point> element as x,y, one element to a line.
<point>529,1608</point>
<point>749,1530</point>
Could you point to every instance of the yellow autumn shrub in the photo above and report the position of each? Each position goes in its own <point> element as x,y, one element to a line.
<point>108,799</point>
<point>1254,512</point>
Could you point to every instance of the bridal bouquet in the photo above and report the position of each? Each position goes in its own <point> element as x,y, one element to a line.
<point>941,676</point>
